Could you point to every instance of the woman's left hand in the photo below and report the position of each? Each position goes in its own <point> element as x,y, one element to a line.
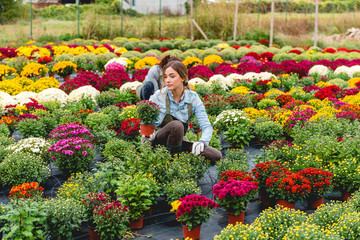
<point>198,147</point>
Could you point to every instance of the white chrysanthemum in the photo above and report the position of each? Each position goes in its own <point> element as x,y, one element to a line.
<point>250,75</point>
<point>52,95</point>
<point>4,101</point>
<point>81,92</point>
<point>353,70</point>
<point>266,76</point>
<point>319,69</point>
<point>24,97</point>
<point>228,118</point>
<point>131,85</point>
<point>32,145</point>
<point>196,81</point>
<point>231,78</point>
<point>4,95</point>
<point>120,60</point>
<point>218,79</point>
<point>342,69</point>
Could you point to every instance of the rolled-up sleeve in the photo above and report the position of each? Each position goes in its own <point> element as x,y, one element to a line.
<point>203,119</point>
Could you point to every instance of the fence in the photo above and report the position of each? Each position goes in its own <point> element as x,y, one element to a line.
<point>255,6</point>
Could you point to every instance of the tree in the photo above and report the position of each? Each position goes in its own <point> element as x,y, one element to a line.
<point>8,10</point>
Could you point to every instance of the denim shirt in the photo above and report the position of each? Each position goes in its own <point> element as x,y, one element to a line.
<point>180,111</point>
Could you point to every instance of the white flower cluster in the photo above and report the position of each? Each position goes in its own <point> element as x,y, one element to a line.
<point>34,145</point>
<point>52,95</point>
<point>131,85</point>
<point>319,69</point>
<point>353,70</point>
<point>6,99</point>
<point>194,81</point>
<point>229,118</point>
<point>350,71</point>
<point>342,69</point>
<point>24,97</point>
<point>219,80</point>
<point>231,78</point>
<point>81,92</point>
<point>120,60</point>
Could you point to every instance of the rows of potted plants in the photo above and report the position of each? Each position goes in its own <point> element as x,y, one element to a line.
<point>334,220</point>
<point>100,114</point>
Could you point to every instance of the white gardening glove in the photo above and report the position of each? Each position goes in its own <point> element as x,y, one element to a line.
<point>198,147</point>
<point>148,139</point>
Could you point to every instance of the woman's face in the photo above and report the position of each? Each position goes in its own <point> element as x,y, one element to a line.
<point>173,80</point>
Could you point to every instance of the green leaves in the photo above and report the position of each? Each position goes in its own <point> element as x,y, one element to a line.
<point>138,192</point>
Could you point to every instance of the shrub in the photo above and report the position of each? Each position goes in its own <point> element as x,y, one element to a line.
<point>268,131</point>
<point>32,128</point>
<point>64,216</point>
<point>235,160</point>
<point>18,168</point>
<point>4,130</point>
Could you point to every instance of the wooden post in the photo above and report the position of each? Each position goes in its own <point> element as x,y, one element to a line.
<point>200,30</point>
<point>191,21</point>
<point>316,23</point>
<point>236,17</point>
<point>272,23</point>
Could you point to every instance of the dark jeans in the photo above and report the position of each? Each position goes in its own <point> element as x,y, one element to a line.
<point>147,90</point>
<point>172,134</point>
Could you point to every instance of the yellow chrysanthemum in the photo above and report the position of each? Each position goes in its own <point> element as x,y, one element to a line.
<point>323,84</point>
<point>64,68</point>
<point>318,104</point>
<point>6,71</point>
<point>223,45</point>
<point>78,50</point>
<point>42,84</point>
<point>119,50</point>
<point>352,99</point>
<point>352,81</point>
<point>34,69</point>
<point>191,61</point>
<point>273,92</point>
<point>24,81</point>
<point>146,62</point>
<point>212,59</point>
<point>59,50</point>
<point>304,107</point>
<point>241,90</point>
<point>100,50</point>
<point>11,87</point>
<point>254,113</point>
<point>282,116</point>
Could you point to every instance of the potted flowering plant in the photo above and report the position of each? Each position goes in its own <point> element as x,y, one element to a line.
<point>288,187</point>
<point>64,69</point>
<point>129,129</point>
<point>73,154</point>
<point>26,190</point>
<point>234,195</point>
<point>261,172</point>
<point>148,112</point>
<point>90,202</point>
<point>111,219</point>
<point>320,184</point>
<point>192,211</point>
<point>237,175</point>
<point>346,176</point>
